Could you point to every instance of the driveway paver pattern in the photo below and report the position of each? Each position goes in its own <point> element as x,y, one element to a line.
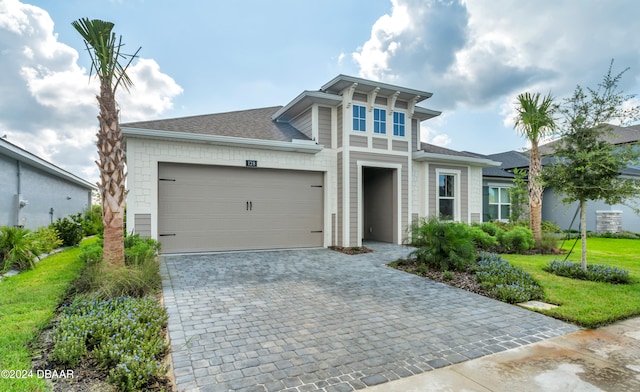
<point>319,320</point>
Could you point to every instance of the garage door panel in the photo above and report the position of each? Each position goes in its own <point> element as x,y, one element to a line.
<point>209,208</point>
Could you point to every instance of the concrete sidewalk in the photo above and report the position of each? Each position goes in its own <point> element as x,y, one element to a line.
<point>606,359</point>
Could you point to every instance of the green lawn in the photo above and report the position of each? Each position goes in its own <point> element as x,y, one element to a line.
<point>27,303</point>
<point>589,304</point>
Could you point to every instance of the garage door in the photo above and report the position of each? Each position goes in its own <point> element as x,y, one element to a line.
<point>212,208</point>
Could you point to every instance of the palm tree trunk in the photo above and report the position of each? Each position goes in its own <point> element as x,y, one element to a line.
<point>583,232</point>
<point>535,193</point>
<point>112,176</point>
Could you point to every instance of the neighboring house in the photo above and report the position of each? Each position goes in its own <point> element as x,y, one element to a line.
<point>35,192</point>
<point>334,166</point>
<point>600,216</point>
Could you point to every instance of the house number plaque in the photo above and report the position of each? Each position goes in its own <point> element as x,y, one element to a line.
<point>251,163</point>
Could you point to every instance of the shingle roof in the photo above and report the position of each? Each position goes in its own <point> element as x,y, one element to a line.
<point>426,147</point>
<point>618,135</point>
<point>251,124</point>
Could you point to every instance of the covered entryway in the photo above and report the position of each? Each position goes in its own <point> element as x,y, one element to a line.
<point>380,204</point>
<point>212,208</point>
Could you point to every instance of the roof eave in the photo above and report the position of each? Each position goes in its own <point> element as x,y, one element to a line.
<point>304,146</point>
<point>432,157</point>
<point>21,155</point>
<point>341,79</point>
<point>302,102</point>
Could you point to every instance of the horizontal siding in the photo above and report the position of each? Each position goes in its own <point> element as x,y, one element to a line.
<point>415,135</point>
<point>340,190</point>
<point>360,97</point>
<point>402,104</point>
<point>380,143</point>
<point>339,126</point>
<point>358,141</point>
<point>142,225</point>
<point>324,126</point>
<point>381,101</point>
<point>399,145</point>
<point>303,123</point>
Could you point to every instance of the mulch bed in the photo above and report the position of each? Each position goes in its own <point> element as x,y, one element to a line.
<point>462,280</point>
<point>353,250</point>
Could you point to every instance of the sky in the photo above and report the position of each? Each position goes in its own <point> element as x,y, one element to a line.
<point>201,57</point>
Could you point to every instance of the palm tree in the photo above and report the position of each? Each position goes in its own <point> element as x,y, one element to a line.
<point>535,120</point>
<point>105,62</point>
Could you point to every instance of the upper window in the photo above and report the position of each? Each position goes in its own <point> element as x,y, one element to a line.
<point>398,124</point>
<point>447,196</point>
<point>379,121</point>
<point>359,118</point>
<point>499,203</point>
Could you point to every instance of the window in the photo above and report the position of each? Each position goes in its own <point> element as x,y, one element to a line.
<point>398,124</point>
<point>359,118</point>
<point>379,121</point>
<point>499,203</point>
<point>447,196</point>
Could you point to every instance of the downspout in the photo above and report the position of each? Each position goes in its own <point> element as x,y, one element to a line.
<point>19,193</point>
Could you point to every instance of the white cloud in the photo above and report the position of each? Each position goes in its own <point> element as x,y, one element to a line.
<point>480,54</point>
<point>48,101</point>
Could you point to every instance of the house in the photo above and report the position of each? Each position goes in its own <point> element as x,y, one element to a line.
<point>600,216</point>
<point>35,192</point>
<point>334,166</point>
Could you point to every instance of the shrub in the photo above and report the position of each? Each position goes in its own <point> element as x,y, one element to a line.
<point>19,248</point>
<point>47,238</point>
<point>594,272</point>
<point>443,245</point>
<point>482,239</point>
<point>139,277</point>
<point>91,254</point>
<point>92,221</point>
<point>138,249</point>
<point>69,230</point>
<point>490,228</point>
<point>517,240</point>
<point>548,243</point>
<point>506,282</point>
<point>124,334</point>
<point>550,227</point>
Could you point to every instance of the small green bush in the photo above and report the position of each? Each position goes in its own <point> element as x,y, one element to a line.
<point>490,228</point>
<point>482,239</point>
<point>517,240</point>
<point>124,334</point>
<point>19,248</point>
<point>92,221</point>
<point>137,249</point>
<point>506,282</point>
<point>69,229</point>
<point>548,243</point>
<point>594,272</point>
<point>444,245</point>
<point>47,239</point>
<point>550,227</point>
<point>627,235</point>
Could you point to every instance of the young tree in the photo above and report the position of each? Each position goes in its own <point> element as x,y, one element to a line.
<point>518,195</point>
<point>535,120</point>
<point>105,54</point>
<point>587,166</point>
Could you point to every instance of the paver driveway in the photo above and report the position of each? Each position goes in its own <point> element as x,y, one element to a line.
<point>318,320</point>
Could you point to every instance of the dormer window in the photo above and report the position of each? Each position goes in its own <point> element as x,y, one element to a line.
<point>398,124</point>
<point>379,121</point>
<point>359,118</point>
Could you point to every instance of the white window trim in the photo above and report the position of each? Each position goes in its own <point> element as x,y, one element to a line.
<point>500,204</point>
<point>456,197</point>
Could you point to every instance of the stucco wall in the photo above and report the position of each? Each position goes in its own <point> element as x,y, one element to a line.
<point>43,192</point>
